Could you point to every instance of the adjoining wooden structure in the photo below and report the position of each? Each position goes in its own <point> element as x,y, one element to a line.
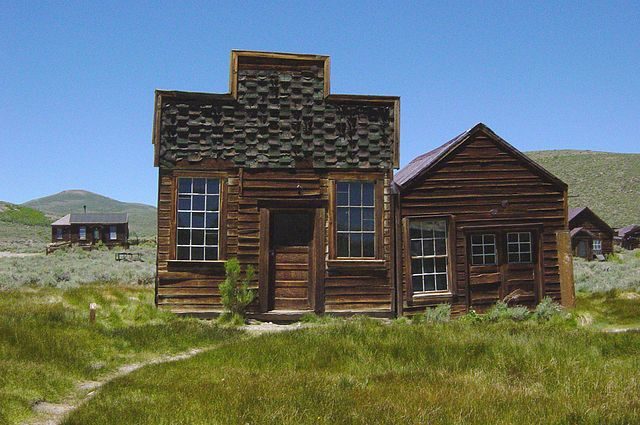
<point>479,221</point>
<point>591,237</point>
<point>298,183</point>
<point>285,176</point>
<point>628,237</point>
<point>88,229</point>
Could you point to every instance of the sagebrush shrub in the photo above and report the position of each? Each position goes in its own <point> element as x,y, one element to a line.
<point>547,310</point>
<point>501,311</point>
<point>438,314</point>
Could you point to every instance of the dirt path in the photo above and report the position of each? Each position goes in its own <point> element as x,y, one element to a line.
<point>54,413</point>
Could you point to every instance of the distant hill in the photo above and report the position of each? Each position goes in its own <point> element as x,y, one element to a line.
<point>142,217</point>
<point>607,183</point>
<point>19,214</point>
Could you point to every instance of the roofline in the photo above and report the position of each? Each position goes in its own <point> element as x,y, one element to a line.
<point>596,216</point>
<point>464,137</point>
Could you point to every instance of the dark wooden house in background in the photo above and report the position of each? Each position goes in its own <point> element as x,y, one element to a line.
<point>297,182</point>
<point>479,222</point>
<point>86,229</point>
<point>628,237</point>
<point>284,176</point>
<point>591,237</point>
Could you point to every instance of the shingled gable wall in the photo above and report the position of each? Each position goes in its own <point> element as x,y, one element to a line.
<point>277,139</point>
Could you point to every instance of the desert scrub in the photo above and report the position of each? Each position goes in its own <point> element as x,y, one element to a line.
<point>73,267</point>
<point>438,314</point>
<point>366,372</point>
<point>47,343</point>
<point>621,274</point>
<point>235,293</point>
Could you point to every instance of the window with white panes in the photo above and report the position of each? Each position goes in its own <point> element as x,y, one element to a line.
<point>355,219</point>
<point>483,249</point>
<point>82,233</point>
<point>113,232</point>
<point>429,255</point>
<point>597,246</point>
<point>519,247</point>
<point>198,219</point>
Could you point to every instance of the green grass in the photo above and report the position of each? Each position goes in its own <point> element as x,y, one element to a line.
<point>620,272</point>
<point>363,372</point>
<point>17,237</point>
<point>47,343</point>
<point>608,183</point>
<point>613,309</point>
<point>22,215</point>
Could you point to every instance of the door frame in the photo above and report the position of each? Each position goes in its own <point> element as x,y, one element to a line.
<point>537,232</point>
<point>316,256</point>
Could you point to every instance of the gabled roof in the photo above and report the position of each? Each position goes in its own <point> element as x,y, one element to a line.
<point>574,213</point>
<point>577,230</point>
<point>422,164</point>
<point>628,229</point>
<point>92,218</point>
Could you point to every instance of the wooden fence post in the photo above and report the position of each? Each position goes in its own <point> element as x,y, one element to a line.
<point>92,312</point>
<point>565,262</point>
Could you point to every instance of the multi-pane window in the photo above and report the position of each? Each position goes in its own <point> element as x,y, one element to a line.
<point>82,233</point>
<point>519,247</point>
<point>198,219</point>
<point>483,249</point>
<point>58,232</point>
<point>597,246</point>
<point>355,210</point>
<point>428,247</point>
<point>113,233</point>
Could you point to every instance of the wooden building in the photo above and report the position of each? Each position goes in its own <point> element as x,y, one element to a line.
<point>87,229</point>
<point>478,222</point>
<point>285,176</point>
<point>591,237</point>
<point>628,237</point>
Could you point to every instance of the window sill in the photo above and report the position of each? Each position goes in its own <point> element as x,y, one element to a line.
<point>368,264</point>
<point>429,296</point>
<point>195,264</point>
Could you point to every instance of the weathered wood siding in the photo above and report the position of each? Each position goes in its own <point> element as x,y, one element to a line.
<point>71,233</point>
<point>482,184</point>
<point>603,234</point>
<point>347,285</point>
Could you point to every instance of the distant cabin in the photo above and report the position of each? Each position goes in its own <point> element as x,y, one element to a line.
<point>478,222</point>
<point>628,237</point>
<point>591,237</point>
<point>87,229</point>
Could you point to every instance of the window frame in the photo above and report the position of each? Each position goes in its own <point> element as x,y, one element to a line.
<point>519,243</point>
<point>82,233</point>
<point>495,236</point>
<point>427,296</point>
<point>113,232</point>
<point>378,205</point>
<point>598,243</point>
<point>222,221</point>
<point>59,233</point>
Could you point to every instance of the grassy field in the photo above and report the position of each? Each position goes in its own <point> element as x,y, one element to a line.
<point>608,183</point>
<point>364,372</point>
<point>68,268</point>
<point>18,237</point>
<point>47,343</point>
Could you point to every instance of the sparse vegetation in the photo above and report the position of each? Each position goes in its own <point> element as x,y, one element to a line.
<point>235,293</point>
<point>623,273</point>
<point>73,267</point>
<point>22,215</point>
<point>438,314</point>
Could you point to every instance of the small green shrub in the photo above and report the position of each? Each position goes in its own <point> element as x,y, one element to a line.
<point>438,314</point>
<point>235,293</point>
<point>471,317</point>
<point>501,311</point>
<point>547,310</point>
<point>614,258</point>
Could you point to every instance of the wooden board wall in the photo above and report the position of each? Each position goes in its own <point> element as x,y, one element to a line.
<point>348,286</point>
<point>472,187</point>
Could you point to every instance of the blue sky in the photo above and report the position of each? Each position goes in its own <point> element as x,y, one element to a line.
<point>77,79</point>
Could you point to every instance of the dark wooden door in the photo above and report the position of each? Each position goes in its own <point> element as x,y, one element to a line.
<point>291,239</point>
<point>512,270</point>
<point>582,248</point>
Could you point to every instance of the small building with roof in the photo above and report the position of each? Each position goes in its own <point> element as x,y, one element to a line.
<point>628,237</point>
<point>591,237</point>
<point>87,229</point>
<point>478,223</point>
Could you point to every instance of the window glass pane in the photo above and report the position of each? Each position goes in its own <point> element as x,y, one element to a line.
<point>368,245</point>
<point>213,186</point>
<point>490,259</point>
<point>184,202</point>
<point>197,237</point>
<point>416,282</point>
<point>441,265</point>
<point>355,244</point>
<point>198,185</point>
<point>512,237</point>
<point>416,266</point>
<point>414,229</point>
<point>355,219</point>
<point>184,185</point>
<point>343,219</point>
<point>184,219</point>
<point>367,194</point>
<point>183,253</point>
<point>342,187</point>
<point>184,236</point>
<point>477,249</point>
<point>197,253</point>
<point>427,247</point>
<point>211,237</point>
<point>429,282</point>
<point>514,258</point>
<point>197,203</point>
<point>441,247</point>
<point>197,220</point>
<point>211,253</point>
<point>441,282</point>
<point>212,203</point>
<point>416,248</point>
<point>429,265</point>
<point>343,245</point>
<point>211,220</point>
<point>355,194</point>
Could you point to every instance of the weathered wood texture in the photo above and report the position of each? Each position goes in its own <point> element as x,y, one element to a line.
<point>342,285</point>
<point>71,233</point>
<point>565,261</point>
<point>588,221</point>
<point>482,185</point>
